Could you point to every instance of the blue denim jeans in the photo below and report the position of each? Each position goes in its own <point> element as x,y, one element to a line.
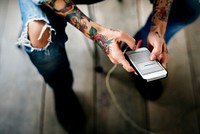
<point>183,12</point>
<point>51,61</point>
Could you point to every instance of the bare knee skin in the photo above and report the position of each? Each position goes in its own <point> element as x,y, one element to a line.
<point>59,4</point>
<point>34,32</point>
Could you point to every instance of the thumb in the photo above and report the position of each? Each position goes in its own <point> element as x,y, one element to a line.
<point>130,41</point>
<point>155,52</point>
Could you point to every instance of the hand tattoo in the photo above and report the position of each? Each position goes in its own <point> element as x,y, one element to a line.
<point>100,40</point>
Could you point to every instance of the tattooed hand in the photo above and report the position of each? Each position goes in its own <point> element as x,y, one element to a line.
<point>158,47</point>
<point>110,41</point>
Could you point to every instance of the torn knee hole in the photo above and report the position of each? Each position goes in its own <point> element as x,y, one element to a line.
<point>39,34</point>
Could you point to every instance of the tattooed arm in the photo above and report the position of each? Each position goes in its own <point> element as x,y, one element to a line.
<point>156,42</point>
<point>108,39</point>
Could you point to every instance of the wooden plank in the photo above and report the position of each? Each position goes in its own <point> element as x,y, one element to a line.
<point>118,15</point>
<point>20,84</point>
<point>3,13</point>
<point>82,67</point>
<point>144,8</point>
<point>109,120</point>
<point>175,111</point>
<point>193,40</point>
<point>81,57</point>
<point>176,107</point>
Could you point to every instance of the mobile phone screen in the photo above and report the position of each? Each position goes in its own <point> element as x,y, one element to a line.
<point>143,63</point>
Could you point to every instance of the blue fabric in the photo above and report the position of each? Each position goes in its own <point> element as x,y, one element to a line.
<point>51,62</point>
<point>183,12</point>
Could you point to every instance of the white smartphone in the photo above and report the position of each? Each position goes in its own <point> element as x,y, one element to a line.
<point>147,69</point>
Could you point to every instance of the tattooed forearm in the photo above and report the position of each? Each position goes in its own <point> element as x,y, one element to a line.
<point>161,10</point>
<point>84,24</point>
<point>78,19</point>
<point>160,14</point>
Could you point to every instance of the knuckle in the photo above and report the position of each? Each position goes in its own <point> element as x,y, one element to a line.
<point>121,33</point>
<point>157,52</point>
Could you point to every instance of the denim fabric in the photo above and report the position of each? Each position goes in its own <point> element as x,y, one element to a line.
<point>51,61</point>
<point>183,12</point>
<point>38,2</point>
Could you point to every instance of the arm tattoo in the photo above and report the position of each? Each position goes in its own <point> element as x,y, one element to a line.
<point>161,9</point>
<point>79,20</point>
<point>82,22</point>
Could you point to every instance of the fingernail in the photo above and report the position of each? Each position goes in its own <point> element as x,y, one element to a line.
<point>135,73</point>
<point>152,57</point>
<point>160,57</point>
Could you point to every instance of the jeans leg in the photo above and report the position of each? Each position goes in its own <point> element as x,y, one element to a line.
<point>53,64</point>
<point>183,12</point>
<point>51,61</point>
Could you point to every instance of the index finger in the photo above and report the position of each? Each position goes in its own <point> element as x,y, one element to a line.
<point>157,50</point>
<point>120,58</point>
<point>126,65</point>
<point>130,41</point>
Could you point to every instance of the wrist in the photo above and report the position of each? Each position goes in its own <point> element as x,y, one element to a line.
<point>94,29</point>
<point>99,35</point>
<point>159,28</point>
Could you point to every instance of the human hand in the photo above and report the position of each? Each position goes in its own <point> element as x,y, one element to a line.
<point>158,48</point>
<point>110,41</point>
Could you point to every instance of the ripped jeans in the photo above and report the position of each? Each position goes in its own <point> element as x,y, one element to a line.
<point>51,61</point>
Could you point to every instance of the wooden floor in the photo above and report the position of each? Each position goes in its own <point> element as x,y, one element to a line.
<point>27,105</point>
